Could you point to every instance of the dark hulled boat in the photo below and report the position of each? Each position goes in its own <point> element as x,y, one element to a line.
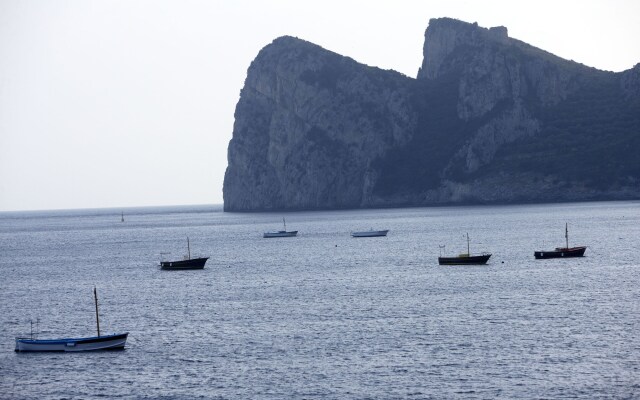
<point>464,259</point>
<point>187,263</point>
<point>562,252</point>
<point>191,263</point>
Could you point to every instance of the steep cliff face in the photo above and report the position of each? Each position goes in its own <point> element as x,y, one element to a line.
<point>483,121</point>
<point>495,74</point>
<point>308,125</point>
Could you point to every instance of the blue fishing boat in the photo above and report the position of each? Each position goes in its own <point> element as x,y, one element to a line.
<point>115,341</point>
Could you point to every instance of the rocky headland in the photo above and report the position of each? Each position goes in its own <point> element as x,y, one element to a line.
<point>488,119</point>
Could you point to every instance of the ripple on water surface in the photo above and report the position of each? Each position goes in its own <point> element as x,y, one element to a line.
<point>323,315</point>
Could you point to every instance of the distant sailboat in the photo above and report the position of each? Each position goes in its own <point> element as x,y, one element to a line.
<point>282,233</point>
<point>122,217</point>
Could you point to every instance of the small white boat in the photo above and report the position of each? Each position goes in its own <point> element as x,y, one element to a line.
<point>370,233</point>
<point>115,341</point>
<point>282,233</point>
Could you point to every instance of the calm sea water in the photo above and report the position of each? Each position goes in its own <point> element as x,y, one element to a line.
<point>323,315</point>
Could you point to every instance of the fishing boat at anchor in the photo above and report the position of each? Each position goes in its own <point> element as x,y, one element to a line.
<point>105,342</point>
<point>187,263</point>
<point>464,259</point>
<point>114,341</point>
<point>562,252</point>
<point>282,233</point>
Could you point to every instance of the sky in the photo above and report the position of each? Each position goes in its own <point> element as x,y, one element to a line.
<point>125,103</point>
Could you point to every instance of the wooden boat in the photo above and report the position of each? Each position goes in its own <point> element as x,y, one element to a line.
<point>562,252</point>
<point>187,263</point>
<point>115,341</point>
<point>370,233</point>
<point>106,342</point>
<point>282,233</point>
<point>464,259</point>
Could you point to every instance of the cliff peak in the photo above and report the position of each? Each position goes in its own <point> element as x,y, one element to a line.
<point>444,35</point>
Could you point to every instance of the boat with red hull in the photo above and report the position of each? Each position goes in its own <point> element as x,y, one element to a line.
<point>562,252</point>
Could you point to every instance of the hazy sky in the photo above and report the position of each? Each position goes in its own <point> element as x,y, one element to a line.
<point>130,103</point>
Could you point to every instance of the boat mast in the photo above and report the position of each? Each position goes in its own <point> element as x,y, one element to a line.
<point>188,248</point>
<point>566,233</point>
<point>468,251</point>
<point>95,297</point>
<point>285,224</point>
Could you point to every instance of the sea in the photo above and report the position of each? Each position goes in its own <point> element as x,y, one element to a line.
<point>324,315</point>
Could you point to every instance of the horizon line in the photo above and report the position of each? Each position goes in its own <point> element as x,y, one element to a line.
<point>119,208</point>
